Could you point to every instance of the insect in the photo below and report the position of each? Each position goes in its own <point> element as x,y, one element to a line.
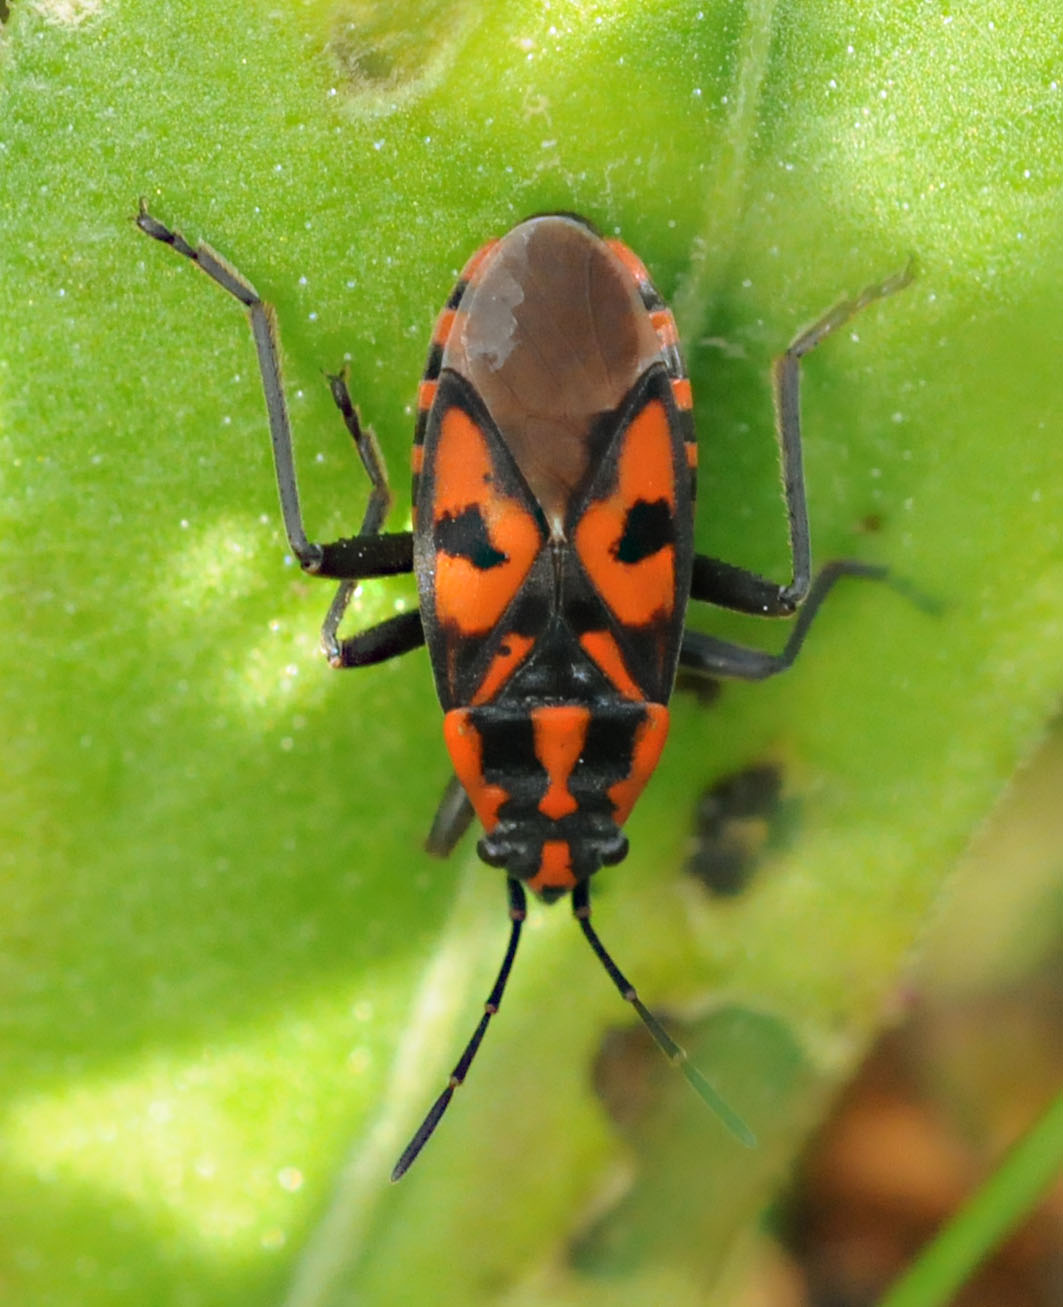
<point>554,467</point>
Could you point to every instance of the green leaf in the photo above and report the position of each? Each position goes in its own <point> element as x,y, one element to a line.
<point>1028,1171</point>
<point>231,982</point>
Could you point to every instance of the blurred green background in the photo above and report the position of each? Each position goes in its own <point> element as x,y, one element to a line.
<point>230,982</point>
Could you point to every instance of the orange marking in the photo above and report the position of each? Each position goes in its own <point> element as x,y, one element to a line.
<point>511,654</point>
<point>692,454</point>
<point>641,591</point>
<point>631,261</point>
<point>664,326</point>
<point>475,264</point>
<point>555,869</point>
<point>645,754</point>
<point>466,753</point>
<point>603,648</point>
<point>560,734</point>
<point>417,459</point>
<point>681,392</point>
<point>470,597</point>
<point>426,393</point>
<point>444,326</point>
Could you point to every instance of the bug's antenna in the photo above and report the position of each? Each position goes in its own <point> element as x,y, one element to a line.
<point>517,912</point>
<point>581,908</point>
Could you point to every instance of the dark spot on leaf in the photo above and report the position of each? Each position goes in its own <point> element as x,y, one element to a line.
<point>386,54</point>
<point>735,820</point>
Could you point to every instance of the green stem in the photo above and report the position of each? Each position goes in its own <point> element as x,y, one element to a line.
<point>990,1215</point>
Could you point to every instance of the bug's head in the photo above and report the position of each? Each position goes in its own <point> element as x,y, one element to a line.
<point>556,862</point>
<point>553,783</point>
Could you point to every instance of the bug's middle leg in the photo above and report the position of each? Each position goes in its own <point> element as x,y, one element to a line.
<point>397,635</point>
<point>713,657</point>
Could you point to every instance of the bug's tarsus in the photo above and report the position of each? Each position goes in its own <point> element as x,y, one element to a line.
<point>675,1053</point>
<point>517,913</point>
<point>368,447</point>
<point>392,637</point>
<point>930,604</point>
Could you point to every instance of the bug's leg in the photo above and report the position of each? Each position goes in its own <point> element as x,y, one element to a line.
<point>677,1055</point>
<point>453,818</point>
<point>368,447</point>
<point>517,913</point>
<point>733,587</point>
<point>712,657</point>
<point>350,559</point>
<point>398,635</point>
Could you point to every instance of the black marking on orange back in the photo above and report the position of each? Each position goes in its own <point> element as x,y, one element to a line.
<point>526,796</point>
<point>632,537</point>
<point>478,546</point>
<point>556,445</point>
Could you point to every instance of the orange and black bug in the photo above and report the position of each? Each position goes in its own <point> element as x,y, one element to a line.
<point>554,473</point>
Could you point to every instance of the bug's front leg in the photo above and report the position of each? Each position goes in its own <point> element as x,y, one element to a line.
<point>454,816</point>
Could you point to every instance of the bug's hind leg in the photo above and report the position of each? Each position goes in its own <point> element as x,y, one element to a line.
<point>356,558</point>
<point>724,584</point>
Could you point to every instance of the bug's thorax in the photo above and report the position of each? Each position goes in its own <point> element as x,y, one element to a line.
<point>553,783</point>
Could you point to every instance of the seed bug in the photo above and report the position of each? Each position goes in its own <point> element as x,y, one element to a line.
<point>554,472</point>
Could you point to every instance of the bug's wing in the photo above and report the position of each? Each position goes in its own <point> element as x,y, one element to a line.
<point>478,547</point>
<point>632,541</point>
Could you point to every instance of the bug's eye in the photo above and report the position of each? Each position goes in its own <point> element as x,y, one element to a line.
<point>614,851</point>
<point>648,528</point>
<point>493,852</point>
